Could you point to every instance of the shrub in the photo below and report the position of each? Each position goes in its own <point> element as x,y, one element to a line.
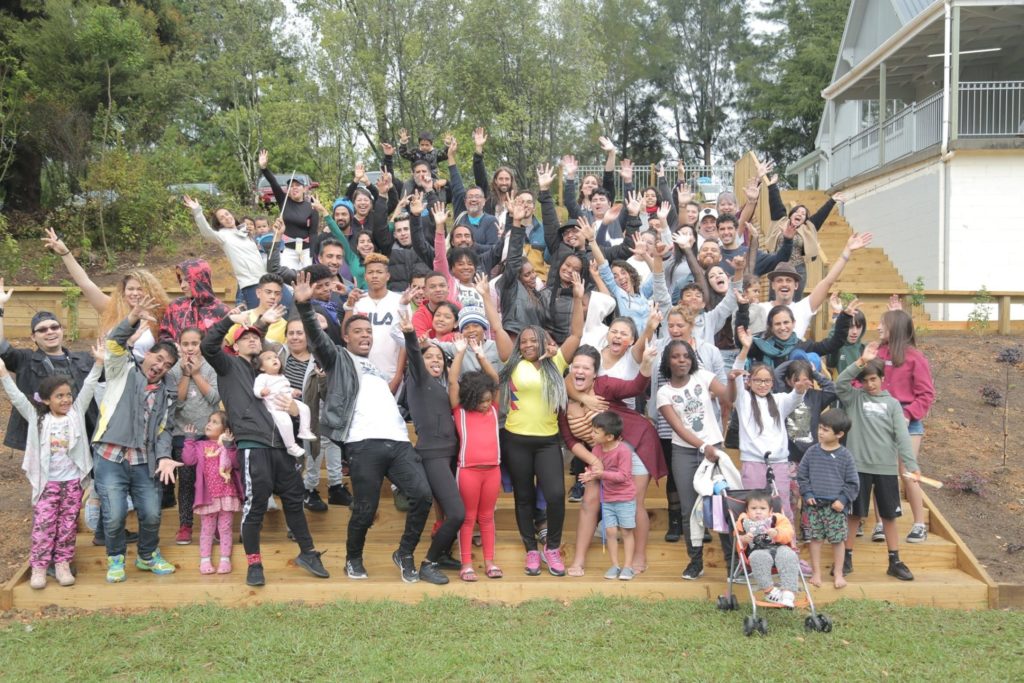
<point>968,481</point>
<point>979,317</point>
<point>991,396</point>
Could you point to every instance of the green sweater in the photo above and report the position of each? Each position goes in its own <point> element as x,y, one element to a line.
<point>878,438</point>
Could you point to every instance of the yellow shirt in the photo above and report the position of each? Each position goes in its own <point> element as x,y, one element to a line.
<point>528,412</point>
<point>275,332</point>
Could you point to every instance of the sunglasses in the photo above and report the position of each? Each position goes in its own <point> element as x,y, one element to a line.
<point>46,328</point>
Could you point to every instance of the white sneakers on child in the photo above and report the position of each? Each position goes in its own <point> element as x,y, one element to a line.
<point>296,451</point>
<point>781,597</point>
<point>307,436</point>
<point>788,599</point>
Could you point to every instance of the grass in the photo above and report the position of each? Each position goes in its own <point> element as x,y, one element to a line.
<point>456,639</point>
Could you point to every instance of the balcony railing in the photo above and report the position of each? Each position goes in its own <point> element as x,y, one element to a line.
<point>986,109</point>
<point>703,180</point>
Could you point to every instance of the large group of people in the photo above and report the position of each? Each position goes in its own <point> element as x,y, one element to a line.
<point>456,341</point>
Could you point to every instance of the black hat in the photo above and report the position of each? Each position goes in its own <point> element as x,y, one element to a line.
<point>565,226</point>
<point>41,316</point>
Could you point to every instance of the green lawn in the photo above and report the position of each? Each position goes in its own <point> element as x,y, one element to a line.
<point>454,639</point>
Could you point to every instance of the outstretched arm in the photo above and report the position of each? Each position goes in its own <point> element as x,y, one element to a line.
<point>501,338</point>
<point>90,290</point>
<point>820,292</point>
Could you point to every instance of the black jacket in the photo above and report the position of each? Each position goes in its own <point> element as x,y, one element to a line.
<point>429,405</point>
<point>342,377</point>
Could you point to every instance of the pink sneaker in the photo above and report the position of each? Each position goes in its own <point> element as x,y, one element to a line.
<point>225,566</point>
<point>553,559</point>
<point>205,566</point>
<point>533,563</point>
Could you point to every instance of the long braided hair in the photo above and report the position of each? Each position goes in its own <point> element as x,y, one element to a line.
<point>554,385</point>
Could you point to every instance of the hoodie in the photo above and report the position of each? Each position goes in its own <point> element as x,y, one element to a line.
<point>845,356</point>
<point>198,307</point>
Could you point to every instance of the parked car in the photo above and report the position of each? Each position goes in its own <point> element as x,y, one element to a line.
<point>101,197</point>
<point>195,188</point>
<point>265,195</point>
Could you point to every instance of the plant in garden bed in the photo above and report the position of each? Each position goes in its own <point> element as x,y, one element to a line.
<point>1012,357</point>
<point>981,314</point>
<point>991,396</point>
<point>968,481</point>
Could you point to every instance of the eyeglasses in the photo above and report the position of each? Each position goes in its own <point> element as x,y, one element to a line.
<point>761,381</point>
<point>46,328</point>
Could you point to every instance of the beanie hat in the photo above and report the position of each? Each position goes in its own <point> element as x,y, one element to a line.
<point>343,201</point>
<point>472,314</point>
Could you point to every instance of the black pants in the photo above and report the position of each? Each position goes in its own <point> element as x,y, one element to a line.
<point>671,492</point>
<point>445,490</point>
<point>369,462</point>
<point>186,476</point>
<point>266,471</point>
<point>685,462</point>
<point>539,458</point>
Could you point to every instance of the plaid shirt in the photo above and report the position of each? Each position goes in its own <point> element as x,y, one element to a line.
<point>135,456</point>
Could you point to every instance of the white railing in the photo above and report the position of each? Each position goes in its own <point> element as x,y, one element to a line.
<point>991,108</point>
<point>702,179</point>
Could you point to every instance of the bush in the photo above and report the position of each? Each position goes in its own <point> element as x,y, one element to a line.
<point>968,481</point>
<point>991,396</point>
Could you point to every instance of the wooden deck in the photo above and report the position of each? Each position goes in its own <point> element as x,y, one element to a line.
<point>942,577</point>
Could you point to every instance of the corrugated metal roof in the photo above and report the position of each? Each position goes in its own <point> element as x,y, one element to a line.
<point>908,9</point>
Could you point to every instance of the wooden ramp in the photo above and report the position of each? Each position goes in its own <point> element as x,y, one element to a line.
<point>946,575</point>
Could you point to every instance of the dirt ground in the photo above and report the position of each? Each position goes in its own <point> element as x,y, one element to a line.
<point>963,445</point>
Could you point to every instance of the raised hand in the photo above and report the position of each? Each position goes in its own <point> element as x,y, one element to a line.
<point>650,352</point>
<point>578,290</point>
<point>738,262</point>
<point>479,139</point>
<point>416,203</point>
<point>835,303</point>
<point>663,211</point>
<point>521,213</point>
<point>404,321</point>
<point>98,351</point>
<point>764,168</point>
<point>743,337</point>
<point>634,203</point>
<point>654,320</point>
<point>403,136</point>
<point>895,302</point>
<point>859,240</point>
<point>302,290</point>
<point>54,243</point>
<point>659,171</point>
<point>839,198</point>
<point>263,158</point>
<point>476,347</point>
<point>273,314</point>
<point>460,343</point>
<point>683,193</point>
<point>360,174</point>
<point>851,308</point>
<point>317,206</point>
<point>586,229</point>
<point>482,285</point>
<point>626,170</point>
<point>570,166</point>
<point>640,251</point>
<point>869,353</point>
<point>410,294</point>
<point>440,214</point>
<point>353,297</point>
<point>741,298</point>
<point>141,310</point>
<point>453,146</point>
<point>606,145</point>
<point>683,240</point>
<point>545,176</point>
<point>189,203</point>
<point>752,189</point>
<point>384,183</point>
<point>387,148</point>
<point>238,315</point>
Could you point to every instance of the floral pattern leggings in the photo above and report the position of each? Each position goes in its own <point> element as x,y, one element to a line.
<point>56,523</point>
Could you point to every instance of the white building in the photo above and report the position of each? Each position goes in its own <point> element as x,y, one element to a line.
<point>923,130</point>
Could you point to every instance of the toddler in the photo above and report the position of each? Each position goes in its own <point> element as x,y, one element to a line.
<point>767,536</point>
<point>269,385</point>
<point>618,492</point>
<point>218,488</point>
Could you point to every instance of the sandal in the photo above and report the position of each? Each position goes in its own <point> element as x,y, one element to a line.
<point>494,572</point>
<point>467,575</point>
<point>574,571</point>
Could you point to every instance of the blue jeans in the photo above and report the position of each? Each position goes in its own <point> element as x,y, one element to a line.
<point>114,481</point>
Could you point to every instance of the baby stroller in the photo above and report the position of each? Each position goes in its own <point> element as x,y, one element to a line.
<point>736,503</point>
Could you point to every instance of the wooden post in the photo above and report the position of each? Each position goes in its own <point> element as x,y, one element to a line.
<point>1004,315</point>
<point>559,179</point>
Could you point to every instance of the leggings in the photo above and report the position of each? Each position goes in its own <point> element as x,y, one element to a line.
<point>671,491</point>
<point>536,458</point>
<point>445,491</point>
<point>186,476</point>
<point>55,523</point>
<point>685,461</point>
<point>479,488</point>
<point>209,523</point>
<point>781,556</point>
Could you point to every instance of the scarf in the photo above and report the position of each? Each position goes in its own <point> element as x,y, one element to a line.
<point>775,350</point>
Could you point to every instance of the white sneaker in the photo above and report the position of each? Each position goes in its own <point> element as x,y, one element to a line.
<point>307,436</point>
<point>878,535</point>
<point>918,534</point>
<point>787,599</point>
<point>38,580</point>
<point>272,504</point>
<point>296,451</point>
<point>774,595</point>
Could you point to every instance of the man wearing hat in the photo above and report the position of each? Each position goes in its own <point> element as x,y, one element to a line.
<point>265,465</point>
<point>707,226</point>
<point>785,278</point>
<point>300,219</point>
<point>32,366</point>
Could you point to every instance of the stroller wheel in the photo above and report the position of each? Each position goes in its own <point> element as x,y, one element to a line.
<point>824,624</point>
<point>748,625</point>
<point>723,603</point>
<point>810,623</point>
<point>762,625</point>
<point>733,602</point>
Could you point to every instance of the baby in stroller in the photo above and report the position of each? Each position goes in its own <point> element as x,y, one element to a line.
<point>766,537</point>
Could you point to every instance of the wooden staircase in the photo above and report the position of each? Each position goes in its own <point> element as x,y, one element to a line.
<point>869,267</point>
<point>942,567</point>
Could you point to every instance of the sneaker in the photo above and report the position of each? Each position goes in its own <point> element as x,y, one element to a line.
<point>156,564</point>
<point>774,595</point>
<point>310,561</point>
<point>612,573</point>
<point>51,572</point>
<point>553,559</point>
<point>860,529</point>
<point>878,535</point>
<point>446,561</point>
<point>675,528</point>
<point>225,566</point>
<point>354,569</point>
<point>38,580</point>
<point>576,492</point>
<point>627,574</point>
<point>296,451</point>
<point>900,571</point>
<point>64,575</point>
<point>254,576</point>
<point>184,535</point>
<point>918,534</point>
<point>533,563</point>
<point>115,569</point>
<point>788,599</point>
<point>431,573</point>
<point>205,566</point>
<point>306,435</point>
<point>407,566</point>
<point>313,502</point>
<point>272,504</point>
<point>694,570</point>
<point>339,495</point>
<point>401,502</point>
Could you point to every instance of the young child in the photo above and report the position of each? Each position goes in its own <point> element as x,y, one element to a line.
<point>424,150</point>
<point>197,399</point>
<point>446,317</point>
<point>752,293</point>
<point>879,441</point>
<point>269,385</point>
<point>479,476</point>
<point>828,484</point>
<point>762,416</point>
<point>854,346</point>
<point>218,488</point>
<point>767,536</point>
<point>618,492</point>
<point>57,458</point>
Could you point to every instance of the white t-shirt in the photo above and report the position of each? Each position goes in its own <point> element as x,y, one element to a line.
<point>58,443</point>
<point>802,314</point>
<point>383,315</point>
<point>376,415</point>
<point>693,404</point>
<point>626,368</point>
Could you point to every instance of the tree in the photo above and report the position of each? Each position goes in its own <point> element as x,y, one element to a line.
<point>783,75</point>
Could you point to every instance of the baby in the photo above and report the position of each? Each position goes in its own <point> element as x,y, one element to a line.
<point>269,385</point>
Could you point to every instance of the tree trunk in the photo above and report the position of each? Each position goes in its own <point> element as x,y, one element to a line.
<point>23,187</point>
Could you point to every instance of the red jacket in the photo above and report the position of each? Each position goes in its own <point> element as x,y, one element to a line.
<point>910,383</point>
